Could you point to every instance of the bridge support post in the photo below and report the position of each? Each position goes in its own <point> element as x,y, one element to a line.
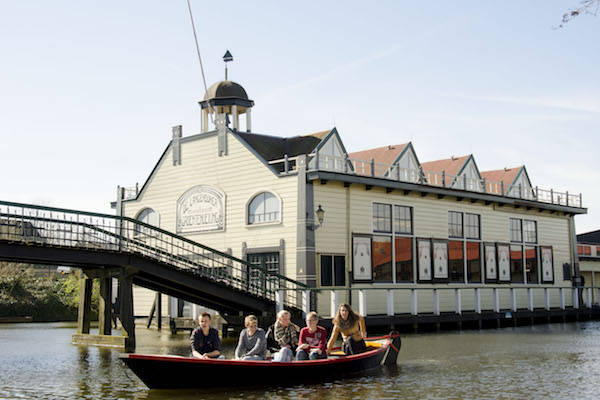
<point>85,303</point>
<point>279,294</point>
<point>127,317</point>
<point>104,304</point>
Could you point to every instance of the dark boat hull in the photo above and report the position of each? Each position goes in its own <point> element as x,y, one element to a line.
<point>168,372</point>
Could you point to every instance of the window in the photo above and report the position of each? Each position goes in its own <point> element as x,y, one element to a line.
<point>456,261</point>
<point>567,272</point>
<point>404,259</point>
<point>473,262</point>
<point>584,250</point>
<point>402,219</point>
<point>524,261</point>
<point>516,264</point>
<point>147,216</point>
<point>516,234</point>
<point>392,257</point>
<point>471,229</point>
<point>529,231</point>
<point>264,207</point>
<point>382,259</point>
<point>531,264</point>
<point>472,226</point>
<point>382,217</point>
<point>267,261</point>
<point>333,270</point>
<point>455,224</point>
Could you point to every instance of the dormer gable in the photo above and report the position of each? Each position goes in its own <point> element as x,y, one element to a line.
<point>393,161</point>
<point>330,154</point>
<point>512,182</point>
<point>455,172</point>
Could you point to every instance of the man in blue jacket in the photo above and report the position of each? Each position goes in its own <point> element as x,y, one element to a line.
<point>205,340</point>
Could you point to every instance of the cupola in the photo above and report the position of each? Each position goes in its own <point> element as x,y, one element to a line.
<point>226,100</point>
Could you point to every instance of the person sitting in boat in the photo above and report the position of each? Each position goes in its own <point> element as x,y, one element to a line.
<point>205,340</point>
<point>353,330</point>
<point>252,344</point>
<point>286,335</point>
<point>313,340</point>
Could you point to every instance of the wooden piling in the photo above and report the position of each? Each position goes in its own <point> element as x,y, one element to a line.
<point>126,314</point>
<point>85,303</point>
<point>104,304</point>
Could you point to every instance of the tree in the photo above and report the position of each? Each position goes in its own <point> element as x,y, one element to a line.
<point>585,7</point>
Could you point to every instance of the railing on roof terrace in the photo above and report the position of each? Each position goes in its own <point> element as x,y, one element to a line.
<point>347,165</point>
<point>49,226</point>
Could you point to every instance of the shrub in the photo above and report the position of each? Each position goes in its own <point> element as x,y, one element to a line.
<point>50,297</point>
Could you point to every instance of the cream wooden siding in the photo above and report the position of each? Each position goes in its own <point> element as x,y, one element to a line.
<point>143,300</point>
<point>240,175</point>
<point>430,220</point>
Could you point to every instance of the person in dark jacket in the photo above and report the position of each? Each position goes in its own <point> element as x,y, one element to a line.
<point>205,340</point>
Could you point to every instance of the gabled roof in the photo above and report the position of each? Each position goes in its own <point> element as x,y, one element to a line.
<point>382,155</point>
<point>506,175</point>
<point>451,166</point>
<point>592,237</point>
<point>275,147</point>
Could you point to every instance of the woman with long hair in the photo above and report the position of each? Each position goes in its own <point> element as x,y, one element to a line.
<point>353,330</point>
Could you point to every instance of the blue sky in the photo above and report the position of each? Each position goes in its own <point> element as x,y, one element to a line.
<point>89,90</point>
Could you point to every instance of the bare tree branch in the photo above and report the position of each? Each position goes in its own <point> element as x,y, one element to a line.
<point>585,7</point>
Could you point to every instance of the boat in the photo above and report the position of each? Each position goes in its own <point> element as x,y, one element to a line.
<point>177,372</point>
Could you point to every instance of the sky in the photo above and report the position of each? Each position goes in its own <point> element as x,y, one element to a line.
<point>89,90</point>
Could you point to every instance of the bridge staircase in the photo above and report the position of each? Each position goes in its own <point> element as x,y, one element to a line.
<point>105,246</point>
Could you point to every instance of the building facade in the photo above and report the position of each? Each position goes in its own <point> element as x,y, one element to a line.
<point>411,235</point>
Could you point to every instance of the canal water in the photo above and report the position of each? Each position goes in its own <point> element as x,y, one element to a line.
<point>556,361</point>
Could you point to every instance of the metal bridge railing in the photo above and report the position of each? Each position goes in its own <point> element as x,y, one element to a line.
<point>48,226</point>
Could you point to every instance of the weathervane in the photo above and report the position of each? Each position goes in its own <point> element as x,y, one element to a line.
<point>227,57</point>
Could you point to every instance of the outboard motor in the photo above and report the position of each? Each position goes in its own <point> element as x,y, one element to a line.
<point>394,349</point>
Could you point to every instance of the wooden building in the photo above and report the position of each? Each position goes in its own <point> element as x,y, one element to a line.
<point>588,250</point>
<point>414,236</point>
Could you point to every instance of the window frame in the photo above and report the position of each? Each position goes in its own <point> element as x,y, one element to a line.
<point>535,230</point>
<point>465,233</point>
<point>276,221</point>
<point>141,231</point>
<point>511,230</point>
<point>392,234</point>
<point>462,225</point>
<point>391,220</point>
<point>333,270</point>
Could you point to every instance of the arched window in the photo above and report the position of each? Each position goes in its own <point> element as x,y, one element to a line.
<point>147,216</point>
<point>264,207</point>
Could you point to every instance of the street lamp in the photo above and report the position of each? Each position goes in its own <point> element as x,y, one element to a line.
<point>320,217</point>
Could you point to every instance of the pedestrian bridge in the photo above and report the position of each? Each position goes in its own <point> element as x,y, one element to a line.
<point>106,246</point>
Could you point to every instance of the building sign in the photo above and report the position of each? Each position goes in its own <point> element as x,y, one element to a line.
<point>503,262</point>
<point>440,260</point>
<point>361,258</point>
<point>201,209</point>
<point>547,264</point>
<point>490,262</point>
<point>424,252</point>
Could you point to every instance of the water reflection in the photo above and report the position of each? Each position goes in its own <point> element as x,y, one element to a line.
<point>545,361</point>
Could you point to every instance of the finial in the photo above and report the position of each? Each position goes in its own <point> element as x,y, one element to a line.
<point>227,57</point>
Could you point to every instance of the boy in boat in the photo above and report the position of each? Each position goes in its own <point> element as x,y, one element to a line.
<point>205,340</point>
<point>286,336</point>
<point>353,330</point>
<point>313,340</point>
<point>252,344</point>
